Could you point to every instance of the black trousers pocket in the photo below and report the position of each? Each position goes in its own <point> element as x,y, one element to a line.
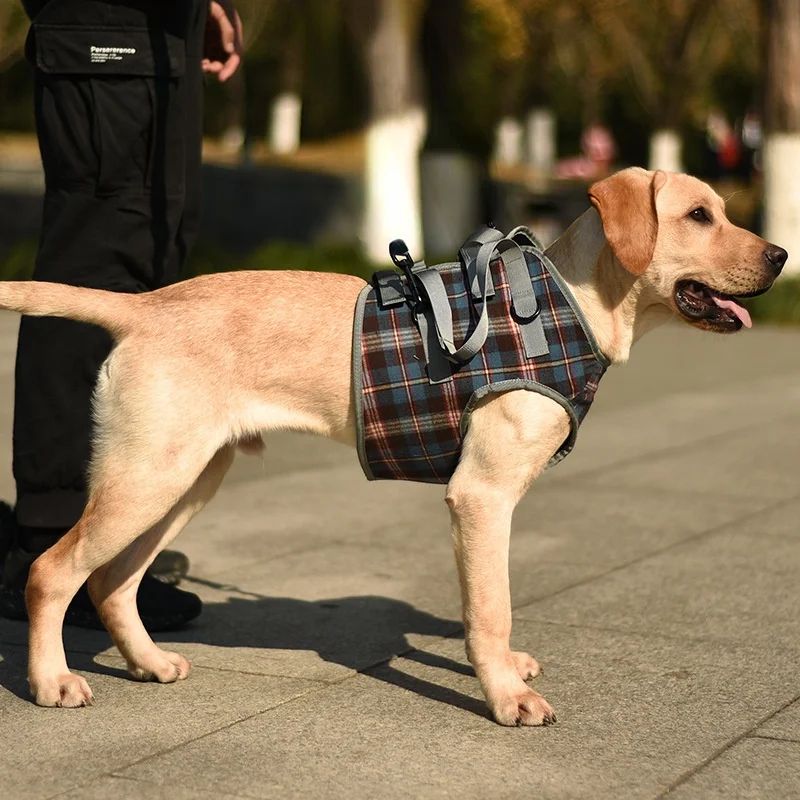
<point>108,101</point>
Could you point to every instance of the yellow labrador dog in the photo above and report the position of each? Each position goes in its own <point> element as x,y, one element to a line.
<point>204,366</point>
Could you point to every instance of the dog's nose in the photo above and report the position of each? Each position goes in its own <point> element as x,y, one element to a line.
<point>776,257</point>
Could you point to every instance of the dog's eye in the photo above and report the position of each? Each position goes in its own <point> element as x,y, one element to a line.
<point>700,215</point>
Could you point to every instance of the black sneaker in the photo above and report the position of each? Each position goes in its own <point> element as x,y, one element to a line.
<point>169,566</point>
<point>162,607</point>
<point>8,529</point>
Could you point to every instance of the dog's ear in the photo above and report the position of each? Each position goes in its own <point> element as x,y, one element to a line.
<point>626,203</point>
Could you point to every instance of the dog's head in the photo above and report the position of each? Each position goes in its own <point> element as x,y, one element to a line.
<point>671,230</point>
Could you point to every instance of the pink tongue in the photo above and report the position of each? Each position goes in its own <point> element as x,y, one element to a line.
<point>740,312</point>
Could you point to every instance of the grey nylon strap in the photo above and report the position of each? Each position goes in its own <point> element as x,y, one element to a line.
<point>523,235</point>
<point>439,368</point>
<point>441,315</point>
<point>524,302</point>
<point>468,255</point>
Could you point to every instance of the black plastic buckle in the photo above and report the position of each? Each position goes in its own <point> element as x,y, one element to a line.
<point>401,258</point>
<point>389,288</point>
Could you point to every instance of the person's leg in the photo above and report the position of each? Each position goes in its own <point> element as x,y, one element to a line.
<point>113,149</point>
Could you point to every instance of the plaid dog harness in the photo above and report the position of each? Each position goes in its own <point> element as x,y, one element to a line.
<point>521,329</point>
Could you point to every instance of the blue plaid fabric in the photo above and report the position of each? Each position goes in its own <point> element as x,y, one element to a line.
<point>411,429</point>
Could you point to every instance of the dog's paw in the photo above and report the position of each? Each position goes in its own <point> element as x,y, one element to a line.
<point>527,666</point>
<point>526,707</point>
<point>63,691</point>
<point>161,666</point>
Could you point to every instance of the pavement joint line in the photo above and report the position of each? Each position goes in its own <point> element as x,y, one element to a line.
<point>213,583</point>
<point>556,485</point>
<point>210,668</point>
<point>773,738</point>
<point>683,778</point>
<point>136,781</point>
<point>320,681</point>
<point>673,448</point>
<point>192,740</point>
<point>660,551</point>
<point>731,644</point>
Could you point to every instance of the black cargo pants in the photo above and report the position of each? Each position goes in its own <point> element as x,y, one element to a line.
<point>119,117</point>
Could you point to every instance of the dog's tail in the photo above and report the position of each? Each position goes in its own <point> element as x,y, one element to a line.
<point>114,311</point>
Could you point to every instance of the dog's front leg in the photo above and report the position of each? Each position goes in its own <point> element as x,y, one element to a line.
<point>510,439</point>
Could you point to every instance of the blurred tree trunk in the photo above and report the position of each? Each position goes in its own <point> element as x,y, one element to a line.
<point>234,134</point>
<point>667,46</point>
<point>254,14</point>
<point>455,157</point>
<point>675,78</point>
<point>385,30</point>
<point>286,108</point>
<point>13,30</point>
<point>782,126</point>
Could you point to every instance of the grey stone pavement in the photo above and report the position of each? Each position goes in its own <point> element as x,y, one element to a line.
<point>655,576</point>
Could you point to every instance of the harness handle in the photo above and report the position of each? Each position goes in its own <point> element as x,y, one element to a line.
<point>433,290</point>
<point>431,308</point>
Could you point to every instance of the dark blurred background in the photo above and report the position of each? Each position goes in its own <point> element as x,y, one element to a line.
<point>357,121</point>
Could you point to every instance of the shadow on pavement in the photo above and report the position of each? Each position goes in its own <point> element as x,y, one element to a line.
<point>359,633</point>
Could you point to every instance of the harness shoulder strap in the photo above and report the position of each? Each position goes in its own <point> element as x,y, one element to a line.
<point>469,253</point>
<point>525,237</point>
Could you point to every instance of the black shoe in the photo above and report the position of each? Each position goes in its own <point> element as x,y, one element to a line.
<point>8,529</point>
<point>169,566</point>
<point>162,607</point>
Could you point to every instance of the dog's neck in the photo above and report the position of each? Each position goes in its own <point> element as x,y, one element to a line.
<point>618,306</point>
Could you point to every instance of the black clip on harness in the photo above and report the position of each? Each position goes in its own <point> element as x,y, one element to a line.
<point>401,258</point>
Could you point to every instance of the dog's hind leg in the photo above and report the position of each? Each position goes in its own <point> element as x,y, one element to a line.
<point>127,499</point>
<point>113,586</point>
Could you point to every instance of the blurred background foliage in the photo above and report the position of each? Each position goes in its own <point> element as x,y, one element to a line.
<point>634,64</point>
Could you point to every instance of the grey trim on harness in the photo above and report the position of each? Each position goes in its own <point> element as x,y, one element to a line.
<point>501,387</point>
<point>358,380</point>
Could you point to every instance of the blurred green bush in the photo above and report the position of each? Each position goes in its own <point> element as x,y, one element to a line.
<point>780,305</point>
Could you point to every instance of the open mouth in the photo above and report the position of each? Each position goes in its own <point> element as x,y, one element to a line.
<point>710,309</point>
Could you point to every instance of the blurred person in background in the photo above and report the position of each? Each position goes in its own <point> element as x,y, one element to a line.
<point>118,105</point>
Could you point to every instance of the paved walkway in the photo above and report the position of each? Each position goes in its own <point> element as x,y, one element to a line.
<point>655,576</point>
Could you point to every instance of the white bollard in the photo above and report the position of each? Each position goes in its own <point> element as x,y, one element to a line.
<point>781,159</point>
<point>541,135</point>
<point>284,129</point>
<point>392,199</point>
<point>508,139</point>
<point>232,139</point>
<point>665,151</point>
